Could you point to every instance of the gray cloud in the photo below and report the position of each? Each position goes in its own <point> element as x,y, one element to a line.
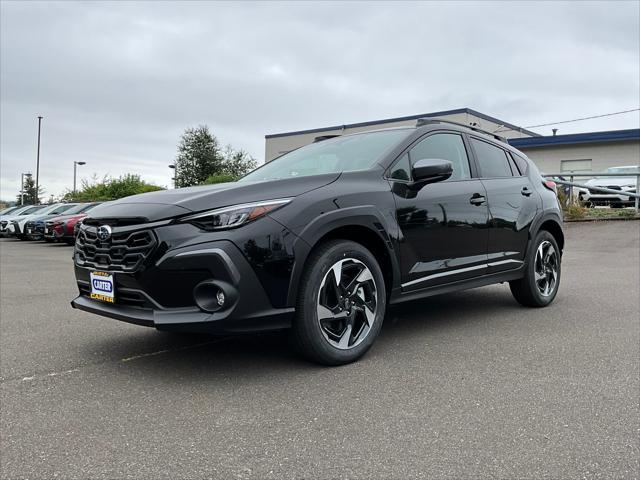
<point>118,82</point>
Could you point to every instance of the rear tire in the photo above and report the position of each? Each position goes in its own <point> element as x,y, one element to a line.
<point>341,304</point>
<point>541,280</point>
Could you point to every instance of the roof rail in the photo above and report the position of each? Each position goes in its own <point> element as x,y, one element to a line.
<point>428,121</point>
<point>325,137</point>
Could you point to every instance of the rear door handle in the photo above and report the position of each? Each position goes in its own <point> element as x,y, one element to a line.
<point>525,191</point>
<point>477,199</point>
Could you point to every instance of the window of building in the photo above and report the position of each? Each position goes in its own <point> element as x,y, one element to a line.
<point>575,166</point>
<point>492,160</point>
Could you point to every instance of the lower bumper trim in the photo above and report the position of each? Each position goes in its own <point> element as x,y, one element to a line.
<point>188,319</point>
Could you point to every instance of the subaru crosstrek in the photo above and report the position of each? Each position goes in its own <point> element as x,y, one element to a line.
<point>323,238</point>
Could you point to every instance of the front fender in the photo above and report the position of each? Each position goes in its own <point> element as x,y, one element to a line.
<point>366,216</point>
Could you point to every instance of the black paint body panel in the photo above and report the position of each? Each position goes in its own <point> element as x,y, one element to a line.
<point>431,239</point>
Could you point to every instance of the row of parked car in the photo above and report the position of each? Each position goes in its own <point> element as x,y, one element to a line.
<point>53,223</point>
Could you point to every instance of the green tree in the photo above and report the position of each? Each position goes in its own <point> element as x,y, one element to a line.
<point>238,163</point>
<point>110,188</point>
<point>29,189</point>
<point>200,159</point>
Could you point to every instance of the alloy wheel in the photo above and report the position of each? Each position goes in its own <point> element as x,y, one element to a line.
<point>546,268</point>
<point>347,303</point>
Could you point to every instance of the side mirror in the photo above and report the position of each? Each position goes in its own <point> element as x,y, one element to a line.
<point>431,170</point>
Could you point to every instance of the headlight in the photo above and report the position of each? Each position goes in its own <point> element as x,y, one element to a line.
<point>234,216</point>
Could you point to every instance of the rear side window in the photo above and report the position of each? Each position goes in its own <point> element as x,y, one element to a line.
<point>521,163</point>
<point>492,160</point>
<point>445,146</point>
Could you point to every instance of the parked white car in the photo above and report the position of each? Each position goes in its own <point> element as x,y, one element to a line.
<point>5,220</point>
<point>16,226</point>
<point>592,197</point>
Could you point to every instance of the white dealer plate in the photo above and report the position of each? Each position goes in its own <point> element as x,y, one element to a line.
<point>102,287</point>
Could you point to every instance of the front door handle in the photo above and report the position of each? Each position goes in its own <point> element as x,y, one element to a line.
<point>477,199</point>
<point>526,191</point>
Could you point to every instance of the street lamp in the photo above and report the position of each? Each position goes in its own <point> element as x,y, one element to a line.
<point>38,161</point>
<point>22,175</point>
<point>175,178</point>
<point>75,166</point>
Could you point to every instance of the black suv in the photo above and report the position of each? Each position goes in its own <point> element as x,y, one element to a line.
<point>323,238</point>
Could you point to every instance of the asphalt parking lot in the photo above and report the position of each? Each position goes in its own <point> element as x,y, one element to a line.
<point>457,386</point>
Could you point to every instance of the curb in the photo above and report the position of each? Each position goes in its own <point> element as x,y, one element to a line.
<point>609,219</point>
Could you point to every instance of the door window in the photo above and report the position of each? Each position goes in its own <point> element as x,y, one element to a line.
<point>401,170</point>
<point>492,160</point>
<point>445,146</point>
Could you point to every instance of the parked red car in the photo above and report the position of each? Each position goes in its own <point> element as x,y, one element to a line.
<point>62,228</point>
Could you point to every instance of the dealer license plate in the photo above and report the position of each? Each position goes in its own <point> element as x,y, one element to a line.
<point>46,231</point>
<point>102,287</point>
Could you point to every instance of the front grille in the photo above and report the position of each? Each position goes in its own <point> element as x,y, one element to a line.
<point>610,187</point>
<point>124,251</point>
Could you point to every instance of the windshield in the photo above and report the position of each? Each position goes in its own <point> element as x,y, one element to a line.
<point>631,169</point>
<point>31,210</point>
<point>342,154</point>
<point>75,208</point>
<point>8,210</point>
<point>62,208</point>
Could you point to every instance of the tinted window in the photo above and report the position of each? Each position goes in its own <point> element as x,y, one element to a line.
<point>341,154</point>
<point>493,160</point>
<point>401,170</point>
<point>445,146</point>
<point>521,163</point>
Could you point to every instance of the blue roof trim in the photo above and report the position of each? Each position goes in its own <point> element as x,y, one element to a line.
<point>410,117</point>
<point>573,138</point>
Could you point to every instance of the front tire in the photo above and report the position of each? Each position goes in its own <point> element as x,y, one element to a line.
<point>541,280</point>
<point>341,304</point>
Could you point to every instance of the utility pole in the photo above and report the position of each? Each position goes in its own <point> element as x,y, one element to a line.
<point>38,160</point>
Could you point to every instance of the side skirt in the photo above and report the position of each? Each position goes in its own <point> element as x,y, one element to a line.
<point>489,279</point>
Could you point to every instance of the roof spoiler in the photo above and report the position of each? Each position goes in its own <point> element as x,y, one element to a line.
<point>429,121</point>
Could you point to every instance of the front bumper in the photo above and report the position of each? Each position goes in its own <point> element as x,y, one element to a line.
<point>33,230</point>
<point>601,198</point>
<point>160,292</point>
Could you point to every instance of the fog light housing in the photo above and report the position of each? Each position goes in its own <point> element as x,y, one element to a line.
<point>214,295</point>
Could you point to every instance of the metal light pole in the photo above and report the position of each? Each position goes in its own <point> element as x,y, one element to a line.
<point>38,160</point>
<point>75,166</point>
<point>22,175</point>
<point>175,173</point>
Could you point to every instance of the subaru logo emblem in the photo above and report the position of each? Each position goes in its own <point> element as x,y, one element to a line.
<point>104,232</point>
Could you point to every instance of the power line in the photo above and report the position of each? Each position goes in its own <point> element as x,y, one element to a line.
<point>574,120</point>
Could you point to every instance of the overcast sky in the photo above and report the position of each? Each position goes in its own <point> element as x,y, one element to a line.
<point>117,83</point>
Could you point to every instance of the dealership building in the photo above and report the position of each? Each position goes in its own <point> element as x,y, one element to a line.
<point>577,152</point>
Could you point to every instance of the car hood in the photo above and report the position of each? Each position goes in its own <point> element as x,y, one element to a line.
<point>164,204</point>
<point>604,181</point>
<point>62,218</point>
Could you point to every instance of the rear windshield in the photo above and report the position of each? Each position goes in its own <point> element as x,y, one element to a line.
<point>342,154</point>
